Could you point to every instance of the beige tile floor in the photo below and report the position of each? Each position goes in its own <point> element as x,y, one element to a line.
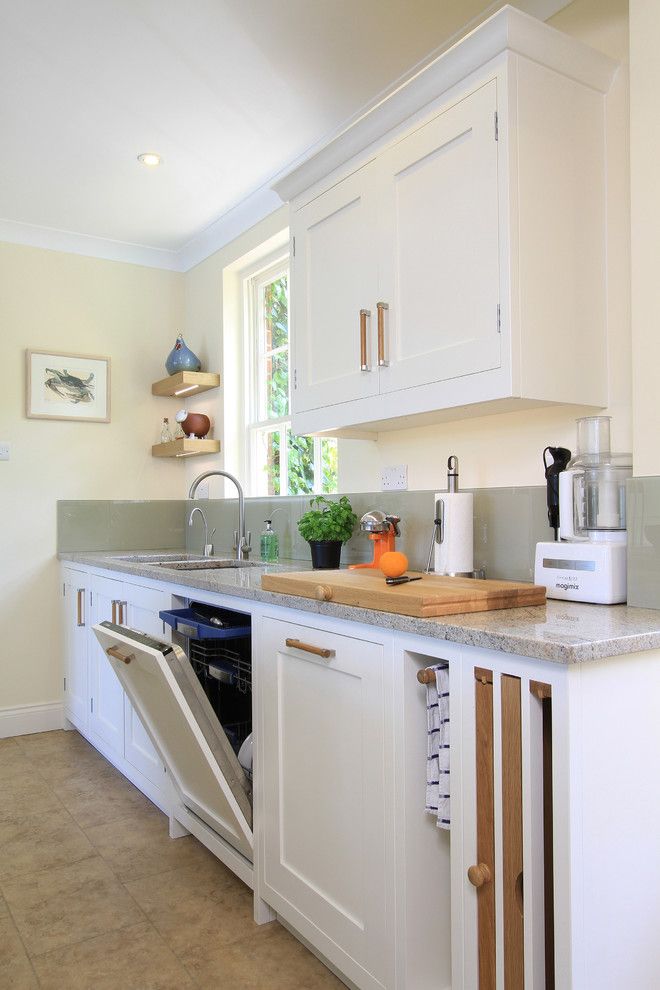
<point>94,895</point>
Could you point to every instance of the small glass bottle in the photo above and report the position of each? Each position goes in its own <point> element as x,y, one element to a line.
<point>269,544</point>
<point>165,433</point>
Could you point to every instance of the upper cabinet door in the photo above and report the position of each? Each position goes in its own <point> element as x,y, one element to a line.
<point>440,236</point>
<point>335,277</point>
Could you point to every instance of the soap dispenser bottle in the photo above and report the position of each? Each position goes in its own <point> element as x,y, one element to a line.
<point>269,544</point>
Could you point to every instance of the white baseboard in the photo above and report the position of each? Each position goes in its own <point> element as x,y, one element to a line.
<point>31,718</point>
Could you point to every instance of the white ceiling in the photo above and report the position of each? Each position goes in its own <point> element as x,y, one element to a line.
<point>229,92</point>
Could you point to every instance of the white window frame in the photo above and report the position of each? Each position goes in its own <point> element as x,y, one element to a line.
<point>255,425</point>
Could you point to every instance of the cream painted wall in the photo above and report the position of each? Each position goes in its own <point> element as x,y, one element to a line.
<point>645,203</point>
<point>76,304</point>
<point>506,449</point>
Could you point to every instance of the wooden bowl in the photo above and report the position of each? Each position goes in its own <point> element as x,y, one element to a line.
<point>196,423</point>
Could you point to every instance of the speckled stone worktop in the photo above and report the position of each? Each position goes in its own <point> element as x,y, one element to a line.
<point>563,632</point>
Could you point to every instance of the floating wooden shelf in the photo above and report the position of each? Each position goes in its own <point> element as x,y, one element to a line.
<point>185,448</point>
<point>186,383</point>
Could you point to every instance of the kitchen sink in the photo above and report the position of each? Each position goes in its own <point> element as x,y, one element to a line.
<point>206,564</point>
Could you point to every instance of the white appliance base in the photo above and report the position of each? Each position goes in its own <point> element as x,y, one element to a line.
<point>583,572</point>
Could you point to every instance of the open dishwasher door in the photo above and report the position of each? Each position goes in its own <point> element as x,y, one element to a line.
<point>164,690</point>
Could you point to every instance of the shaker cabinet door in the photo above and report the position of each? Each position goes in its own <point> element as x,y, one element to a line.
<point>323,778</point>
<point>106,718</point>
<point>440,235</point>
<point>75,602</point>
<point>334,277</point>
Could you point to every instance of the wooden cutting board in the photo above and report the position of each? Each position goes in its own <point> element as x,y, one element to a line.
<point>432,596</point>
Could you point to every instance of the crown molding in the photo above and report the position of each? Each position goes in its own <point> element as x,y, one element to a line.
<point>255,207</point>
<point>68,242</point>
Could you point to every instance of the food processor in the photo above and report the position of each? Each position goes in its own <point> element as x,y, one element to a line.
<point>588,562</point>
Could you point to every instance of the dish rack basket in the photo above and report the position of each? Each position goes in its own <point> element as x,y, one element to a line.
<point>218,660</point>
<point>218,643</point>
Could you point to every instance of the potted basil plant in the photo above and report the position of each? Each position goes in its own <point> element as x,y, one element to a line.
<point>326,526</point>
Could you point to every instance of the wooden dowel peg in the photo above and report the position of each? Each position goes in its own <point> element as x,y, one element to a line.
<point>426,676</point>
<point>479,874</point>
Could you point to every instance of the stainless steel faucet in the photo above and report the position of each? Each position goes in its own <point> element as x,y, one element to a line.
<point>208,546</point>
<point>242,540</point>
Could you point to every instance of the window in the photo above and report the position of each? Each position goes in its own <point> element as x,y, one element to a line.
<point>279,462</point>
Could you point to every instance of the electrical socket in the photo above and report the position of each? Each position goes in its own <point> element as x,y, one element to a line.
<point>4,450</point>
<point>394,478</point>
<point>202,490</point>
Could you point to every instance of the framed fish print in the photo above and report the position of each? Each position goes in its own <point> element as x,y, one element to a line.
<point>68,386</point>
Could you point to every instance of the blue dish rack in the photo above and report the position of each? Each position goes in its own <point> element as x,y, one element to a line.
<point>191,623</point>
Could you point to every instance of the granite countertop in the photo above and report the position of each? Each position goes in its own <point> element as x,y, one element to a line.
<point>562,632</point>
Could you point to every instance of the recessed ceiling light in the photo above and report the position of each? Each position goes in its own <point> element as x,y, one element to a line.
<point>149,158</point>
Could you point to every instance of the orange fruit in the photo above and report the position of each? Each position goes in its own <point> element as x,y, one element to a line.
<point>393,563</point>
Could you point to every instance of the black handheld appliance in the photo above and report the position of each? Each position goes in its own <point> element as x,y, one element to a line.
<point>560,458</point>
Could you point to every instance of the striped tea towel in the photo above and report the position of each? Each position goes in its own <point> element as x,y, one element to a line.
<point>437,763</point>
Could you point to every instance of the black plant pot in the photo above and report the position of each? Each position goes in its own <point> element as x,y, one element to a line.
<point>326,554</point>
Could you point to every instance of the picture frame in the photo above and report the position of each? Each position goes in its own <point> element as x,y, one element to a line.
<point>66,386</point>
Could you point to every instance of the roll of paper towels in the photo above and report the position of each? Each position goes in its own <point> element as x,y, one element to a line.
<point>454,555</point>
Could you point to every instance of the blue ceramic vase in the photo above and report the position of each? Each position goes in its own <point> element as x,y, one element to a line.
<point>181,358</point>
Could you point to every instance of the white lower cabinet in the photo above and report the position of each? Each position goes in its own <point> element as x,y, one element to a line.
<point>344,852</point>
<point>326,828</point>
<point>94,700</point>
<point>106,702</point>
<point>74,614</point>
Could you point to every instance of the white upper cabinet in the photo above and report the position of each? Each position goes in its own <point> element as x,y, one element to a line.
<point>440,264</point>
<point>336,277</point>
<point>465,215</point>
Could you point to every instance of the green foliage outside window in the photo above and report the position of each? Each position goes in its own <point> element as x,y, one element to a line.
<point>300,450</point>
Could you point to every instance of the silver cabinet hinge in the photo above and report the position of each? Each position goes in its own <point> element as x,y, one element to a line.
<point>91,705</point>
<point>295,378</point>
<point>497,127</point>
<point>499,319</point>
<point>90,599</point>
<point>63,590</point>
<point>293,246</point>
<point>65,683</point>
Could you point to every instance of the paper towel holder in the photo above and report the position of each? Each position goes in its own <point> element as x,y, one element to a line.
<point>438,535</point>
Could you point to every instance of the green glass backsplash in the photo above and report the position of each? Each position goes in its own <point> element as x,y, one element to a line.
<point>508,522</point>
<point>106,525</point>
<point>643,517</point>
